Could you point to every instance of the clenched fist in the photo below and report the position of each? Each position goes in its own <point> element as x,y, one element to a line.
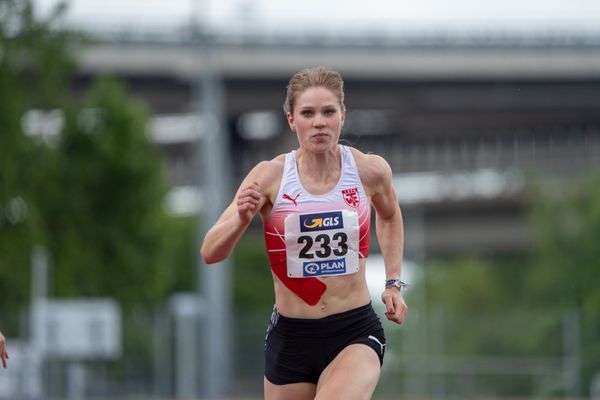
<point>248,202</point>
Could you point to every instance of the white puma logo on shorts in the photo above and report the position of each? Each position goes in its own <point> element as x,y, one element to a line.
<point>378,342</point>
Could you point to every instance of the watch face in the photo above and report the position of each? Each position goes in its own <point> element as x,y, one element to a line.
<point>395,283</point>
<point>392,283</point>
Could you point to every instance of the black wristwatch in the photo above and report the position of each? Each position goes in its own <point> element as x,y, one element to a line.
<point>397,283</point>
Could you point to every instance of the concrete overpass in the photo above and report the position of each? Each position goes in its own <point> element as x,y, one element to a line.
<point>371,56</point>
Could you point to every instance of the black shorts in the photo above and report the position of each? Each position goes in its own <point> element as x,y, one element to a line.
<point>298,349</point>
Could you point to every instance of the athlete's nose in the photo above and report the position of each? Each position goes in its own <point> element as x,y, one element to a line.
<point>319,122</point>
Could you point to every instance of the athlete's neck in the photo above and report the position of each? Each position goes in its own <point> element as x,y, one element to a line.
<point>320,167</point>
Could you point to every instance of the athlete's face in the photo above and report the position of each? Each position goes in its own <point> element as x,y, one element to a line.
<point>317,119</point>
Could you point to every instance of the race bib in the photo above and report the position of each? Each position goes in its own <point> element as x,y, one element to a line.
<point>324,243</point>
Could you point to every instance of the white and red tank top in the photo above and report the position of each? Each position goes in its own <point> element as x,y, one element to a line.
<point>309,235</point>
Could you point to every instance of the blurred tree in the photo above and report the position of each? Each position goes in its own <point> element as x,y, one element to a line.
<point>34,66</point>
<point>485,295</point>
<point>106,202</point>
<point>517,305</point>
<point>253,284</point>
<point>94,197</point>
<point>565,277</point>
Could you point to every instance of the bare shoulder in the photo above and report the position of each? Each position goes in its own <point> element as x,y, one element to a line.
<point>374,170</point>
<point>268,167</point>
<point>267,174</point>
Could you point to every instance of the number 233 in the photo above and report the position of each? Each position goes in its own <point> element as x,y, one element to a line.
<point>325,243</point>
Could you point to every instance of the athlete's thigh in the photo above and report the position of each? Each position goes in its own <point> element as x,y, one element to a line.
<point>292,391</point>
<point>353,374</point>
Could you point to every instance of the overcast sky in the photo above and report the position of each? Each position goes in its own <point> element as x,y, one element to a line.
<point>341,14</point>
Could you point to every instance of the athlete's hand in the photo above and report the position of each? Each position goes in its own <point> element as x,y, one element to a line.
<point>248,201</point>
<point>396,308</point>
<point>3,353</point>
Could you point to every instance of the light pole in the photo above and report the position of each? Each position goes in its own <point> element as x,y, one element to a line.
<point>214,282</point>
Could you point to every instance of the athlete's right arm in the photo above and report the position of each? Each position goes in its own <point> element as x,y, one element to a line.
<point>251,197</point>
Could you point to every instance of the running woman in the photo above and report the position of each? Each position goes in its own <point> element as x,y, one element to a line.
<point>324,340</point>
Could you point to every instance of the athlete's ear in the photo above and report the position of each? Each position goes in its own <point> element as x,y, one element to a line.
<point>290,120</point>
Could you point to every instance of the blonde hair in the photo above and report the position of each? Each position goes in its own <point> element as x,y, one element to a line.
<point>310,77</point>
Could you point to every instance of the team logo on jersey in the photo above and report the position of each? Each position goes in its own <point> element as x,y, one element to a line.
<point>329,267</point>
<point>351,197</point>
<point>321,221</point>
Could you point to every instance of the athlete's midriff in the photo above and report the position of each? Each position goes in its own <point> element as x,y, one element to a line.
<point>343,293</point>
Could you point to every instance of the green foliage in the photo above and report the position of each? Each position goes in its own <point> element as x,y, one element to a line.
<point>478,282</point>
<point>181,253</point>
<point>107,202</point>
<point>568,227</point>
<point>517,306</point>
<point>565,277</point>
<point>253,284</point>
<point>22,163</point>
<point>94,198</point>
<point>486,314</point>
<point>36,55</point>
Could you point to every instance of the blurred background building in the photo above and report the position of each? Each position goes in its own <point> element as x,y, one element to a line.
<point>460,117</point>
<point>467,108</point>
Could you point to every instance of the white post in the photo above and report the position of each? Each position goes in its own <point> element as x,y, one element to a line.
<point>39,294</point>
<point>76,381</point>
<point>186,308</point>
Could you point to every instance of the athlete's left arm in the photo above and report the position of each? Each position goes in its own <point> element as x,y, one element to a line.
<point>389,227</point>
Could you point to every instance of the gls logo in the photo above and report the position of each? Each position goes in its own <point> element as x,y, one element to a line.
<point>321,221</point>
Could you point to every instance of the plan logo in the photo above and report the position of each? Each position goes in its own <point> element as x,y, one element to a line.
<point>329,267</point>
<point>321,221</point>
